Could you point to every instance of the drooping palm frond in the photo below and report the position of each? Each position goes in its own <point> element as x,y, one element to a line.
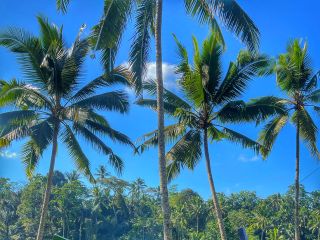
<point>108,32</point>
<point>113,101</point>
<point>79,157</point>
<point>308,130</point>
<point>41,137</point>
<point>270,132</point>
<point>62,5</point>
<point>230,14</point>
<point>106,130</point>
<point>185,153</point>
<point>140,47</point>
<point>241,139</point>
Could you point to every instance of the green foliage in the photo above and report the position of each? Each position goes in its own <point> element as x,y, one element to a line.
<point>115,209</point>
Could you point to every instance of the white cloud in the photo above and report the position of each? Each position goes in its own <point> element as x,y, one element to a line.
<point>246,159</point>
<point>8,154</point>
<point>168,71</point>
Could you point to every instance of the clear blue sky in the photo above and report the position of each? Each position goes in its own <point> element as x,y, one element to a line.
<point>234,169</point>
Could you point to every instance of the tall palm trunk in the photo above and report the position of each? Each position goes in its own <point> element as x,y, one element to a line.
<point>44,208</point>
<point>297,184</point>
<point>217,209</point>
<point>167,234</point>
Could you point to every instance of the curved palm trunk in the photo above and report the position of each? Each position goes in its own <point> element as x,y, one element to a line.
<point>217,209</point>
<point>44,208</point>
<point>297,184</point>
<point>167,234</point>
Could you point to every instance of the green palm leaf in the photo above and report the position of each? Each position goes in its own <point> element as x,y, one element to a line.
<point>185,153</point>
<point>113,101</point>
<point>80,159</point>
<point>270,132</point>
<point>140,47</point>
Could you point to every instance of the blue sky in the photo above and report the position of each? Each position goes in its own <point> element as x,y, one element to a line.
<point>234,169</point>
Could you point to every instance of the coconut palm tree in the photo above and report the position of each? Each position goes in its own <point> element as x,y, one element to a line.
<point>296,79</point>
<point>107,35</point>
<point>210,103</point>
<point>51,105</point>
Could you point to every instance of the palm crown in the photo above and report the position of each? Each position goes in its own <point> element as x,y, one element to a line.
<point>211,102</point>
<point>51,101</point>
<point>297,80</point>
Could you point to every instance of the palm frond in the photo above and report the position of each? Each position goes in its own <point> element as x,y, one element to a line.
<point>151,88</point>
<point>140,47</point>
<point>239,74</point>
<point>185,153</point>
<point>183,66</point>
<point>80,159</point>
<point>106,130</point>
<point>314,97</point>
<point>241,139</point>
<point>108,32</point>
<point>62,5</point>
<point>308,130</point>
<point>312,82</point>
<point>169,108</point>
<point>261,108</point>
<point>270,132</point>
<point>211,66</point>
<point>230,14</point>
<point>100,145</point>
<point>119,75</point>
<point>49,33</point>
<point>72,66</point>
<point>294,68</point>
<point>171,134</point>
<point>23,95</point>
<point>41,137</point>
<point>113,101</point>
<point>28,50</point>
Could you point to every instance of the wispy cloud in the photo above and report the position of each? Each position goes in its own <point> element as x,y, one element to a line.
<point>8,154</point>
<point>169,76</point>
<point>247,159</point>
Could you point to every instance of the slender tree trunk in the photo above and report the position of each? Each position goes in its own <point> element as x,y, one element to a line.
<point>197,224</point>
<point>47,193</point>
<point>217,209</point>
<point>167,234</point>
<point>297,184</point>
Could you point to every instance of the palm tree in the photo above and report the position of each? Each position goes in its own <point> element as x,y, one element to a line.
<point>107,35</point>
<point>48,107</point>
<point>210,104</point>
<point>297,80</point>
